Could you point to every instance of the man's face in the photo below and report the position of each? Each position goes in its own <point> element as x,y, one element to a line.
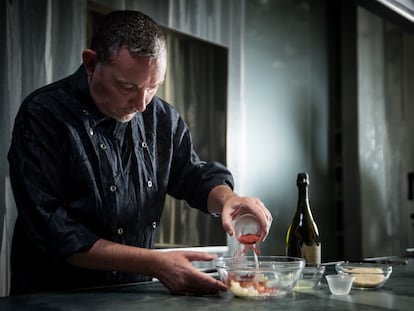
<point>126,85</point>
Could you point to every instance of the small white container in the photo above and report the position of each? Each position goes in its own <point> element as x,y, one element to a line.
<point>339,284</point>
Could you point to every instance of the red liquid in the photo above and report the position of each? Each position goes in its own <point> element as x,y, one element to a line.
<point>248,239</point>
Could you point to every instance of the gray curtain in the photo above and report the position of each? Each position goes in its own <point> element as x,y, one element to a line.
<point>42,43</point>
<point>196,84</point>
<point>386,146</point>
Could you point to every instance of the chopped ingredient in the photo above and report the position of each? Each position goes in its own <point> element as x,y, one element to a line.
<point>255,286</point>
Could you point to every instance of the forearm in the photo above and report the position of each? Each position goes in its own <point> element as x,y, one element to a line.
<point>173,269</point>
<point>107,255</point>
<point>217,197</point>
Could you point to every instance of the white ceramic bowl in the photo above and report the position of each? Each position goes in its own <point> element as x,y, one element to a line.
<point>367,275</point>
<point>339,284</point>
<point>272,276</point>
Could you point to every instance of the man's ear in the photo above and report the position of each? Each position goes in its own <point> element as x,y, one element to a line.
<point>89,60</point>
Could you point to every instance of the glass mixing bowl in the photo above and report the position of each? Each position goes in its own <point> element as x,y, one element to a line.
<point>268,277</point>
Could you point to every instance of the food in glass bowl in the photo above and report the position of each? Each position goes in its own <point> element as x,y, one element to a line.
<point>268,277</point>
<point>367,275</point>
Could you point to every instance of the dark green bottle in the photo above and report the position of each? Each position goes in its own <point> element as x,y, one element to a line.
<point>302,238</point>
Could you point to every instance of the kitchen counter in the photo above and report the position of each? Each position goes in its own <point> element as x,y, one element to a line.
<point>397,294</point>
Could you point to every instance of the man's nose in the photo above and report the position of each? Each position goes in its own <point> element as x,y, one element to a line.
<point>139,101</point>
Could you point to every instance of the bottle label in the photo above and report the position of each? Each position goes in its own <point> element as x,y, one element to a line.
<point>311,254</point>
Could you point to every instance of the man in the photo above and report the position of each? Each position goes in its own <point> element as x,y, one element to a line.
<point>91,160</point>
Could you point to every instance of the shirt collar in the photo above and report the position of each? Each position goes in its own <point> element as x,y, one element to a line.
<point>87,105</point>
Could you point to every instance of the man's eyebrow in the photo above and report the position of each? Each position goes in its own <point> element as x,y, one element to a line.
<point>126,83</point>
<point>121,81</point>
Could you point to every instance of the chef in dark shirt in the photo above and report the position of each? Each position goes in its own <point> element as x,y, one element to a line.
<point>91,160</point>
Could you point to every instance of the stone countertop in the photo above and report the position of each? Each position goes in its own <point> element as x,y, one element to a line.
<point>397,294</point>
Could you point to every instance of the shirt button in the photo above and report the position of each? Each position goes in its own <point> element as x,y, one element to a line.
<point>144,144</point>
<point>114,272</point>
<point>154,224</point>
<point>149,183</point>
<point>91,131</point>
<point>85,112</point>
<point>112,188</point>
<point>120,231</point>
<point>103,146</point>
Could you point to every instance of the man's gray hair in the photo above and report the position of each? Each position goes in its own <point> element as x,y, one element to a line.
<point>133,29</point>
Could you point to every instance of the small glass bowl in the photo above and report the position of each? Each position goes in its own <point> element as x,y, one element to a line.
<point>311,277</point>
<point>339,284</point>
<point>367,275</point>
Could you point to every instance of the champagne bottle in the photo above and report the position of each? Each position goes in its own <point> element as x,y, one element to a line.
<point>302,238</point>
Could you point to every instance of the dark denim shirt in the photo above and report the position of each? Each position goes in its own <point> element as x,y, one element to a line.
<point>78,176</point>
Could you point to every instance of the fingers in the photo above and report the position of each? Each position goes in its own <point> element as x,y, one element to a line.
<point>183,278</point>
<point>237,206</point>
<point>199,256</point>
<point>207,286</point>
<point>227,224</point>
<point>267,217</point>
